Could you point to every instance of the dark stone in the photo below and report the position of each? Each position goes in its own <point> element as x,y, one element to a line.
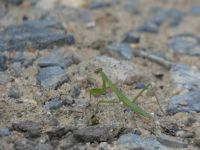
<point>188,102</point>
<point>123,49</point>
<point>14,93</point>
<point>59,132</point>
<point>4,132</point>
<point>98,4</point>
<point>29,35</point>
<point>75,91</point>
<point>96,133</point>
<point>68,142</point>
<point>14,2</point>
<point>170,141</point>
<point>140,86</point>
<point>55,59</point>
<point>3,60</point>
<point>187,44</point>
<point>30,128</point>
<point>131,37</point>
<point>54,103</point>
<point>52,77</point>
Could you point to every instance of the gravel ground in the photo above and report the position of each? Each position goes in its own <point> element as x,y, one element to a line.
<point>49,50</point>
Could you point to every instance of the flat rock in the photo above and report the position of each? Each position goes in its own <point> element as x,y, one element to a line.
<point>119,70</point>
<point>170,141</point>
<point>130,6</point>
<point>188,102</point>
<point>185,77</point>
<point>51,77</point>
<point>54,103</point>
<point>195,10</point>
<point>30,128</point>
<point>96,133</point>
<point>149,27</point>
<point>3,60</point>
<point>14,2</point>
<point>59,132</point>
<point>131,37</point>
<point>133,141</point>
<point>30,35</point>
<point>187,44</point>
<point>55,59</point>
<point>171,17</point>
<point>98,4</point>
<point>4,132</point>
<point>25,144</point>
<point>123,49</point>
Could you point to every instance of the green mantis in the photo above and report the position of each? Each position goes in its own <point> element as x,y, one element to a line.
<point>122,98</point>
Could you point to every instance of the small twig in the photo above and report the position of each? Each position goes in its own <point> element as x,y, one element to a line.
<point>163,62</point>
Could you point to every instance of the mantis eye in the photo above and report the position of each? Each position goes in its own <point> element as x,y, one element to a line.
<point>98,70</point>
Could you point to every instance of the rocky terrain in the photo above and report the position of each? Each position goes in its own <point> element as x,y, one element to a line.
<point>49,50</point>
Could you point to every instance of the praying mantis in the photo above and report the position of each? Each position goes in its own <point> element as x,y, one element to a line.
<point>122,98</point>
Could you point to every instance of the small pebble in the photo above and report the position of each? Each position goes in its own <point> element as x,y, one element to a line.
<point>4,132</point>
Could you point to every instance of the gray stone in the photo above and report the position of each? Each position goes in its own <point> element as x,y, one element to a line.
<point>30,128</point>
<point>45,24</point>
<point>3,60</point>
<point>52,77</point>
<point>54,103</point>
<point>4,132</point>
<point>187,44</point>
<point>96,133</point>
<point>149,27</point>
<point>14,93</point>
<point>55,59</point>
<point>161,16</point>
<point>130,6</point>
<point>188,102</point>
<point>98,4</point>
<point>75,91</point>
<point>25,144</point>
<point>185,134</point>
<point>131,37</point>
<point>68,142</point>
<point>43,147</point>
<point>170,141</point>
<point>133,141</point>
<point>195,10</point>
<point>123,49</point>
<point>59,132</point>
<point>172,17</point>
<point>2,147</point>
<point>185,77</point>
<point>27,35</point>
